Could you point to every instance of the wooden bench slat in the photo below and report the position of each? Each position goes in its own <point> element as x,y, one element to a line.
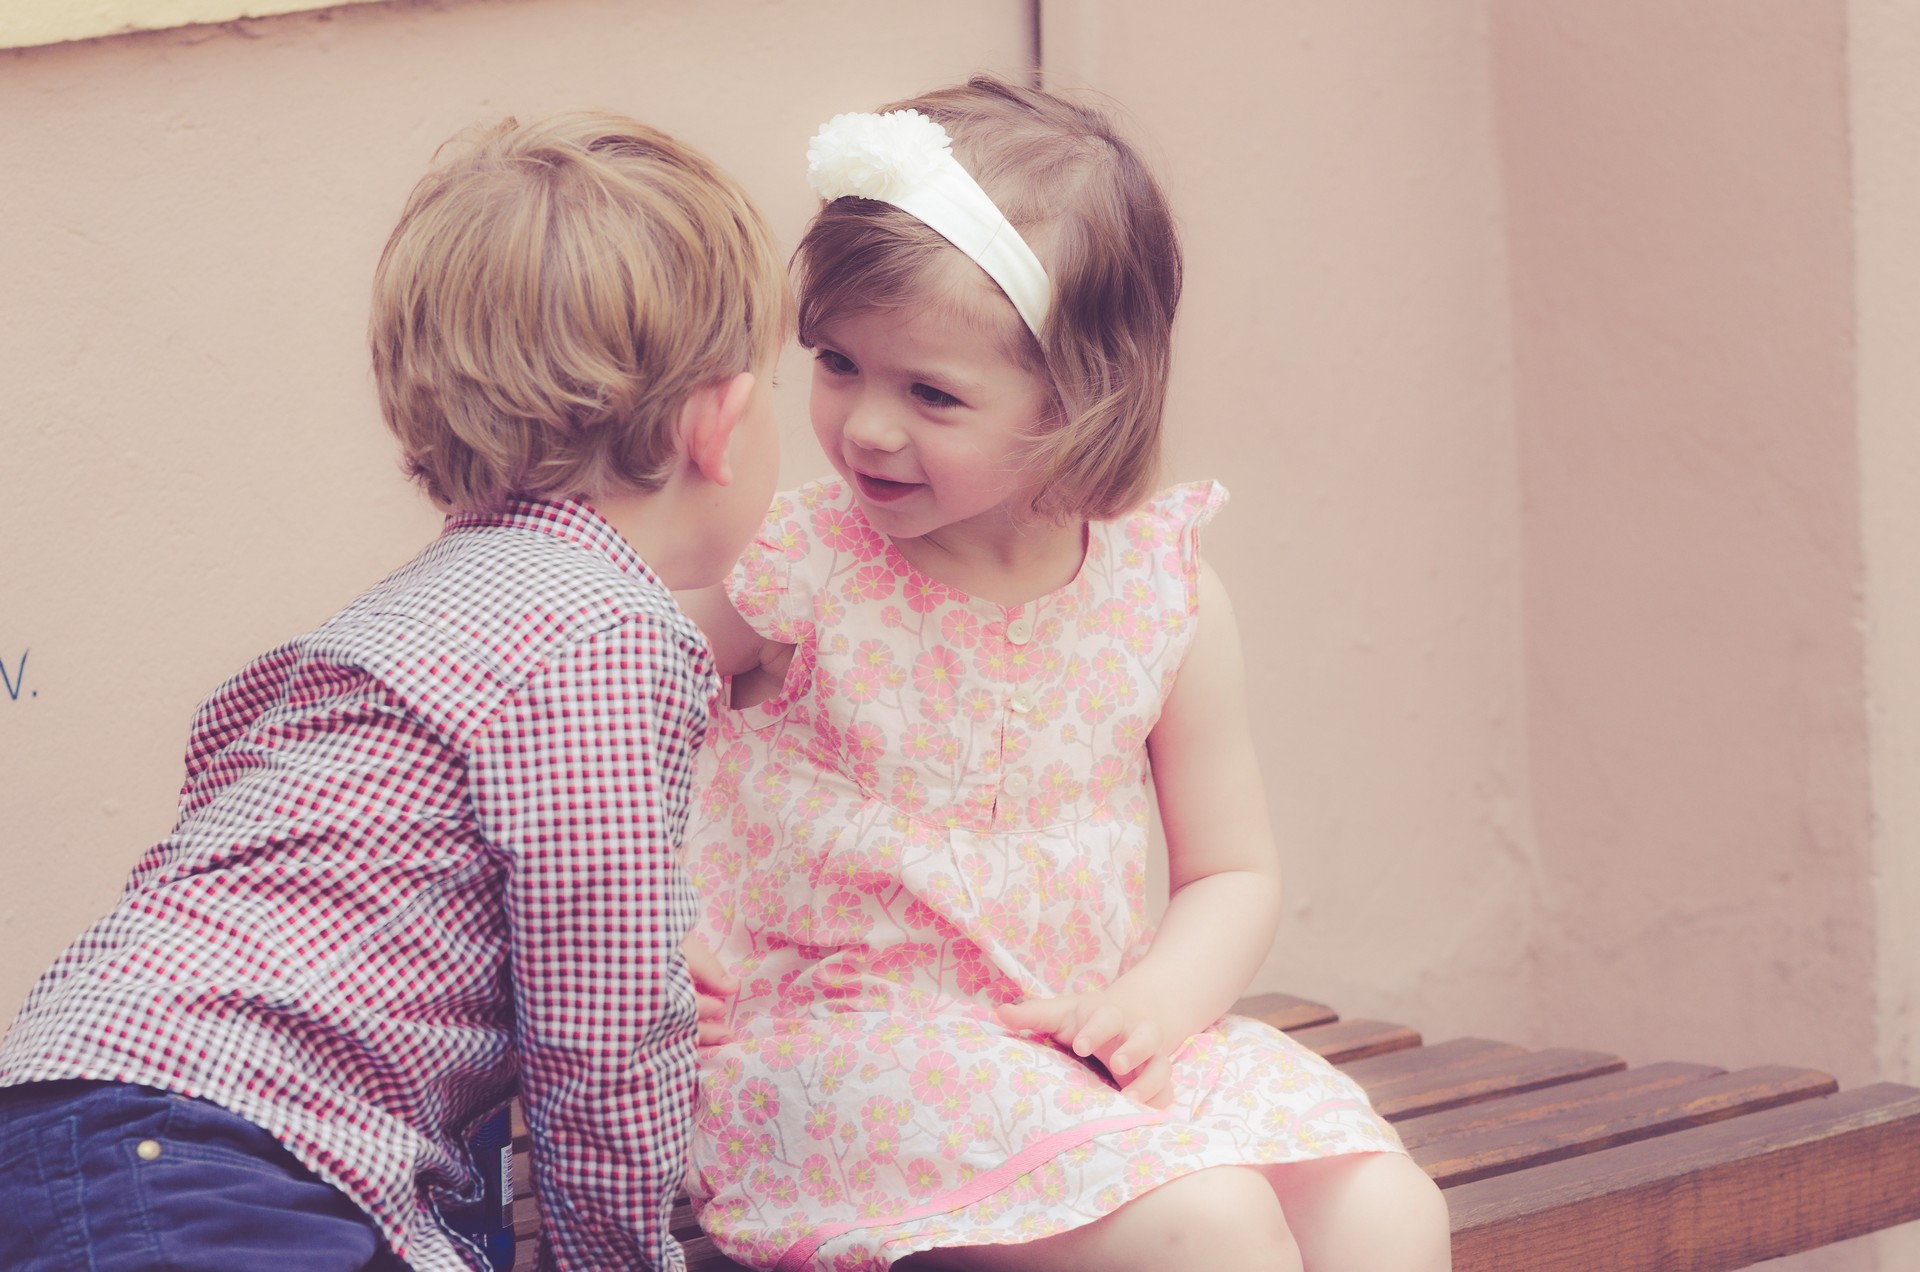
<point>1706,1199</point>
<point>1285,1012</point>
<point>1433,1059</point>
<point>1344,1041</point>
<point>1533,1106</point>
<point>1626,1117</point>
<point>1415,1093</point>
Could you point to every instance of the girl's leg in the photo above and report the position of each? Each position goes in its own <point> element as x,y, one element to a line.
<point>1366,1212</point>
<point>1227,1219</point>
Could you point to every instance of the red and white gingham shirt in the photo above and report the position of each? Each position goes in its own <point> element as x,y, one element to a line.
<point>428,846</point>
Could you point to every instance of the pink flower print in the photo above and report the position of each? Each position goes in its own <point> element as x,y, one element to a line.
<point>1141,633</point>
<point>921,915</point>
<point>844,530</point>
<point>935,1075</point>
<point>820,1120</point>
<point>1144,1172</point>
<point>1109,663</point>
<point>795,992</point>
<point>1109,776</point>
<point>979,704</point>
<point>1098,699</point>
<point>897,962</point>
<point>817,1181</point>
<point>735,1145</point>
<point>841,916</point>
<point>937,673</point>
<point>1078,940</point>
<point>1047,706</point>
<point>787,539</point>
<point>1129,734</point>
<point>865,742</point>
<point>1013,748</point>
<point>831,608</point>
<point>922,1177</point>
<point>759,839</point>
<point>909,792</point>
<point>873,581</point>
<point>863,1180</point>
<point>1139,594</point>
<point>920,741</point>
<point>994,658</point>
<point>948,752</point>
<point>759,1101</point>
<point>786,1049</point>
<point>731,765</point>
<point>861,684</point>
<point>1107,618</point>
<point>1024,662</point>
<point>1026,1080</point>
<point>1076,673</point>
<point>925,595</point>
<point>1147,533</point>
<point>954,1140</point>
<point>981,1076</point>
<point>960,628</point>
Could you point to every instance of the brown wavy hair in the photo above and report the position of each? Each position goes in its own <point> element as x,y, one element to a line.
<point>551,295</point>
<point>1085,201</point>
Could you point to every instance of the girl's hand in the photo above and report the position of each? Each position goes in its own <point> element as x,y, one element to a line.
<point>713,986</point>
<point>1131,1044</point>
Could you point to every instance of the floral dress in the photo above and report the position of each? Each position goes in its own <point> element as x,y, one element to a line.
<point>945,808</point>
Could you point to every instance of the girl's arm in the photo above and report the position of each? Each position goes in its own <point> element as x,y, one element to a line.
<point>756,665</point>
<point>1223,873</point>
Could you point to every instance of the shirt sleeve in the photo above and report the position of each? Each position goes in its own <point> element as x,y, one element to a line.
<point>769,585</point>
<point>584,781</point>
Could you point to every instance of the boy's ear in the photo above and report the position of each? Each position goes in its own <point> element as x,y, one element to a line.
<point>707,420</point>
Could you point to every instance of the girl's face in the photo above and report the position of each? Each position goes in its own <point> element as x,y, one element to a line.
<point>925,415</point>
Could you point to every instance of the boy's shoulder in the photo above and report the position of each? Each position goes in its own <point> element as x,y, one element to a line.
<point>494,600</point>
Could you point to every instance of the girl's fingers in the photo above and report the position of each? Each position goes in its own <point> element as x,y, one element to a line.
<point>1142,1043</point>
<point>1152,1085</point>
<point>704,966</point>
<point>1101,1027</point>
<point>1039,1015</point>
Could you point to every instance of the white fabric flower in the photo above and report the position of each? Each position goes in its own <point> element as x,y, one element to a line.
<point>882,157</point>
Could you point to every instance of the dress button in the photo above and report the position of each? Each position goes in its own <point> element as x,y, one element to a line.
<point>1020,631</point>
<point>1016,784</point>
<point>148,1150</point>
<point>1022,702</point>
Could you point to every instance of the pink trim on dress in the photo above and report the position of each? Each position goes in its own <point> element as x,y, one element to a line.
<point>979,1188</point>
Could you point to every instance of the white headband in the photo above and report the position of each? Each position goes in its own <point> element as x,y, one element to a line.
<point>905,159</point>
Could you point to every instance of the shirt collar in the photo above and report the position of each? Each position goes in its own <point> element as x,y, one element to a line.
<point>572,520</point>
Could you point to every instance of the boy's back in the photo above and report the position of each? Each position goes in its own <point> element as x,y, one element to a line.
<point>427,853</point>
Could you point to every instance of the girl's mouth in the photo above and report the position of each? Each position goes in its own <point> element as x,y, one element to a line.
<point>880,490</point>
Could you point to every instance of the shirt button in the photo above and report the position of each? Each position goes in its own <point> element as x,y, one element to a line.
<point>148,1150</point>
<point>1016,784</point>
<point>1020,631</point>
<point>1022,702</point>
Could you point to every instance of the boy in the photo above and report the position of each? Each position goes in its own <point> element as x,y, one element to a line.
<point>426,854</point>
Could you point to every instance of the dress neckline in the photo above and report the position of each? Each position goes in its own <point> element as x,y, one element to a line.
<point>895,558</point>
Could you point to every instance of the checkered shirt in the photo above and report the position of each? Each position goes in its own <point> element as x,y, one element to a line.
<point>424,853</point>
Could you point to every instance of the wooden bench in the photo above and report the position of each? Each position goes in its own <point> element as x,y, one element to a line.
<point>1563,1159</point>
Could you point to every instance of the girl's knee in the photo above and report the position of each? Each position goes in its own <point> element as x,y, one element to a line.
<point>1224,1218</point>
<point>1376,1211</point>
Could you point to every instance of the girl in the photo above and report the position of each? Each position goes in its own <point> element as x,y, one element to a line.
<point>922,848</point>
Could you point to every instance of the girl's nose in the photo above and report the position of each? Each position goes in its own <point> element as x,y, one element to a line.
<point>872,428</point>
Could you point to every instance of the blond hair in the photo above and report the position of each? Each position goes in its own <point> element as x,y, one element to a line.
<point>1086,203</point>
<point>552,294</point>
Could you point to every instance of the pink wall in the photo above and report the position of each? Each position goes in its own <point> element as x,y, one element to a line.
<point>1679,213</point>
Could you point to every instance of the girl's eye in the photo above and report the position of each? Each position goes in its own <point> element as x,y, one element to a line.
<point>835,363</point>
<point>934,397</point>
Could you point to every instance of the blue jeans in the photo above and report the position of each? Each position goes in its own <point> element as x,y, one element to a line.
<point>107,1177</point>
